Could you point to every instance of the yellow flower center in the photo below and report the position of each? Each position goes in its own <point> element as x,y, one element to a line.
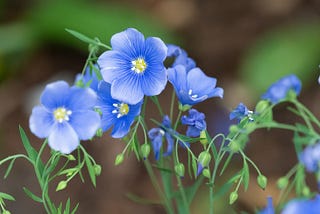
<point>121,109</point>
<point>139,65</point>
<point>61,114</point>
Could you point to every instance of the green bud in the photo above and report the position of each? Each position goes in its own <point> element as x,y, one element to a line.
<point>184,107</point>
<point>262,181</point>
<point>306,191</point>
<point>204,139</point>
<point>234,146</point>
<point>99,132</point>
<point>179,169</point>
<point>233,129</point>
<point>145,150</point>
<point>291,95</point>
<point>62,185</point>
<point>233,197</point>
<point>261,106</point>
<point>79,83</point>
<point>282,182</point>
<point>206,173</point>
<point>119,159</point>
<point>97,169</point>
<point>204,158</point>
<point>71,157</point>
<point>6,212</point>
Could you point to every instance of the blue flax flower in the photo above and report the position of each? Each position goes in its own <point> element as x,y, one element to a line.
<point>269,208</point>
<point>134,67</point>
<point>156,135</point>
<point>115,113</point>
<point>310,157</point>
<point>298,206</point>
<point>65,116</point>
<point>279,90</point>
<point>181,57</point>
<point>90,77</point>
<point>193,86</point>
<point>195,121</point>
<point>240,112</point>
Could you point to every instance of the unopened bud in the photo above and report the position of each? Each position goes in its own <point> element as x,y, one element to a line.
<point>99,132</point>
<point>233,197</point>
<point>204,158</point>
<point>179,169</point>
<point>145,150</point>
<point>206,173</point>
<point>119,159</point>
<point>62,185</point>
<point>306,191</point>
<point>97,169</point>
<point>282,182</point>
<point>261,106</point>
<point>204,139</point>
<point>184,107</point>
<point>262,181</point>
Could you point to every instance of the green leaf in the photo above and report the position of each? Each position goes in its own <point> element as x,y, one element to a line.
<point>226,163</point>
<point>75,209</point>
<point>225,187</point>
<point>91,170</point>
<point>6,196</point>
<point>67,209</point>
<point>9,168</point>
<point>32,196</point>
<point>245,175</point>
<point>81,37</point>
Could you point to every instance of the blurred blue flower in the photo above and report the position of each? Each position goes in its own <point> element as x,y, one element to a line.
<point>310,157</point>
<point>240,112</point>
<point>65,116</point>
<point>279,90</point>
<point>156,135</point>
<point>90,77</point>
<point>181,57</point>
<point>193,86</point>
<point>298,206</point>
<point>115,113</point>
<point>269,208</point>
<point>134,67</point>
<point>195,122</point>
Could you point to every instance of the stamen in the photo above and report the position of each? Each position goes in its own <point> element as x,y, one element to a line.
<point>139,65</point>
<point>61,114</point>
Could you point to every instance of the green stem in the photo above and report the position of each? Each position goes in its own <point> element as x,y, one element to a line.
<point>172,104</point>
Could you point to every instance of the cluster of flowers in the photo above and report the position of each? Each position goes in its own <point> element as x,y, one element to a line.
<point>134,68</point>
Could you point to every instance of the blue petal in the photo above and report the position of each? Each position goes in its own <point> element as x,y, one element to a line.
<point>63,138</point>
<point>81,99</point>
<point>177,76</point>
<point>130,42</point>
<point>193,131</point>
<point>113,65</point>
<point>170,144</point>
<point>89,76</point>
<point>127,90</point>
<point>85,123</point>
<point>156,141</point>
<point>55,95</point>
<point>200,169</point>
<point>156,50</point>
<point>121,128</point>
<point>41,121</point>
<point>154,81</point>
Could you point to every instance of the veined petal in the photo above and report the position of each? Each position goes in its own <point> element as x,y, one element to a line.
<point>55,95</point>
<point>41,121</point>
<point>121,128</point>
<point>154,81</point>
<point>85,123</point>
<point>129,41</point>
<point>200,83</point>
<point>113,65</point>
<point>177,76</point>
<point>81,99</point>
<point>127,90</point>
<point>63,138</point>
<point>155,50</point>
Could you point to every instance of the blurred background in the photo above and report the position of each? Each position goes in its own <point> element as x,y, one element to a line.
<point>245,44</point>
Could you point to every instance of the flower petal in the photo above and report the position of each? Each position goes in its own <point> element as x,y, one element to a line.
<point>41,121</point>
<point>129,41</point>
<point>195,77</point>
<point>55,95</point>
<point>63,138</point>
<point>85,123</point>
<point>127,90</point>
<point>156,50</point>
<point>154,81</point>
<point>121,128</point>
<point>81,99</point>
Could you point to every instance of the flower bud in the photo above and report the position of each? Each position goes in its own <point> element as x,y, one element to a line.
<point>97,169</point>
<point>282,182</point>
<point>184,107</point>
<point>179,169</point>
<point>71,157</point>
<point>233,197</point>
<point>306,191</point>
<point>204,158</point>
<point>262,181</point>
<point>261,106</point>
<point>234,146</point>
<point>62,185</point>
<point>145,150</point>
<point>119,159</point>
<point>204,139</point>
<point>206,173</point>
<point>233,129</point>
<point>99,132</point>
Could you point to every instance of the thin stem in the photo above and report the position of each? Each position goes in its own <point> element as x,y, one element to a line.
<point>172,104</point>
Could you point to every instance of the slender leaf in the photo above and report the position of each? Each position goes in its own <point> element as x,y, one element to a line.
<point>81,37</point>
<point>9,168</point>
<point>6,196</point>
<point>245,175</point>
<point>75,209</point>
<point>31,195</point>
<point>67,209</point>
<point>91,170</point>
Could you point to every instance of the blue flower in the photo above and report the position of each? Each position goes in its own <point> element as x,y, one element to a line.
<point>90,77</point>
<point>193,86</point>
<point>115,113</point>
<point>310,157</point>
<point>279,90</point>
<point>298,206</point>
<point>195,121</point>
<point>240,112</point>
<point>134,67</point>
<point>269,208</point>
<point>181,57</point>
<point>65,116</point>
<point>156,135</point>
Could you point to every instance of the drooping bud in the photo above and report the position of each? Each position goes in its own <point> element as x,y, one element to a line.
<point>71,157</point>
<point>145,150</point>
<point>262,181</point>
<point>206,173</point>
<point>204,139</point>
<point>119,159</point>
<point>179,169</point>
<point>62,185</point>
<point>282,182</point>
<point>97,169</point>
<point>306,191</point>
<point>203,161</point>
<point>233,197</point>
<point>261,106</point>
